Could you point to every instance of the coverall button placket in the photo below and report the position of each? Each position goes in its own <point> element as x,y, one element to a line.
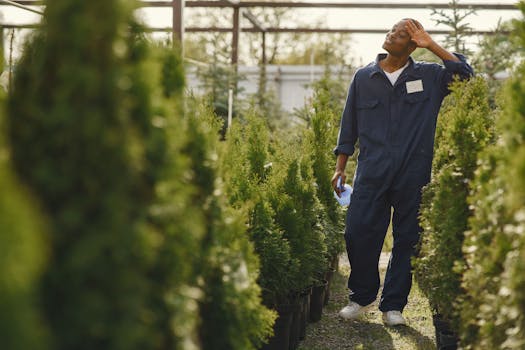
<point>394,119</point>
<point>397,138</point>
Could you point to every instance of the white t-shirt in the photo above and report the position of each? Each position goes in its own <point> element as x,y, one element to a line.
<point>395,74</point>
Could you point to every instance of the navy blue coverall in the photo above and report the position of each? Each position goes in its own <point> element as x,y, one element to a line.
<point>395,126</point>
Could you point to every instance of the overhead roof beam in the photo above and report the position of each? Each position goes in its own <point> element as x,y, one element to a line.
<point>372,5</point>
<point>276,30</point>
<point>306,4</point>
<point>314,30</point>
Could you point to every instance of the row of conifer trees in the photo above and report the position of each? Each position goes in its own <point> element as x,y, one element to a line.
<point>126,221</point>
<point>472,258</point>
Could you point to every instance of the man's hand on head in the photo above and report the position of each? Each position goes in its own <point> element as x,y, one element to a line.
<point>423,39</point>
<point>418,34</point>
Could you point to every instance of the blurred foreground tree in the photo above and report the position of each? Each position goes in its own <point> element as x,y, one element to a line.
<point>22,258</point>
<point>78,126</point>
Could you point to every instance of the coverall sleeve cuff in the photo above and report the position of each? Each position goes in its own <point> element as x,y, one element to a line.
<point>461,67</point>
<point>344,149</point>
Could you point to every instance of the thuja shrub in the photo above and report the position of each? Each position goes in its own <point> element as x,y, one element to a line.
<point>173,224</point>
<point>511,295</point>
<point>494,247</point>
<point>231,313</point>
<point>288,224</point>
<point>22,258</point>
<point>485,248</point>
<point>294,201</point>
<point>246,157</point>
<point>321,133</point>
<point>466,124</point>
<point>78,124</point>
<point>246,168</point>
<point>277,262</point>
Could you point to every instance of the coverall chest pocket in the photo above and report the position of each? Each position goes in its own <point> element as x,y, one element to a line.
<point>416,105</point>
<point>416,97</point>
<point>369,116</point>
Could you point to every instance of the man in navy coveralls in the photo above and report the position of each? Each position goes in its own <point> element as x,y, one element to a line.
<point>391,108</point>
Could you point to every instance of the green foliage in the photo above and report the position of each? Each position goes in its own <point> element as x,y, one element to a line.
<point>79,129</point>
<point>277,263</point>
<point>293,198</point>
<point>488,60</point>
<point>465,123</point>
<point>22,258</point>
<point>495,246</point>
<point>287,223</point>
<point>246,169</point>
<point>485,248</point>
<point>425,55</point>
<point>231,314</point>
<point>246,159</point>
<point>216,80</point>
<point>323,128</point>
<point>266,102</point>
<point>173,226</point>
<point>322,132</point>
<point>144,253</point>
<point>456,22</point>
<point>173,77</point>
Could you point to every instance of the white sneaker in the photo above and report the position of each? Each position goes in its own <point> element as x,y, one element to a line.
<point>393,318</point>
<point>353,310</point>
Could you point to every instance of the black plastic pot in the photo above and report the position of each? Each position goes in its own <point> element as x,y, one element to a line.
<point>305,311</point>
<point>317,301</point>
<point>281,329</point>
<point>446,339</point>
<point>295,327</point>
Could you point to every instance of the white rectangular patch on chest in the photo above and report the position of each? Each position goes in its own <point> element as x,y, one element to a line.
<point>414,86</point>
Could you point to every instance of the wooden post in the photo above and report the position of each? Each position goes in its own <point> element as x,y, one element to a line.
<point>262,67</point>
<point>236,33</point>
<point>178,22</point>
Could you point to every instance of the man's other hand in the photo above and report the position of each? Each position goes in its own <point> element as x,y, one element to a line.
<point>338,174</point>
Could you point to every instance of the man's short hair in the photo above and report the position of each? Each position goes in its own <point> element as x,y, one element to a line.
<point>414,20</point>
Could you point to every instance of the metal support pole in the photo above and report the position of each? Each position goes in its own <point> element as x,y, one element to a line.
<point>262,75</point>
<point>235,35</point>
<point>178,22</point>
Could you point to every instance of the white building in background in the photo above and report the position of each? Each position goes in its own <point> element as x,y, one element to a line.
<point>291,84</point>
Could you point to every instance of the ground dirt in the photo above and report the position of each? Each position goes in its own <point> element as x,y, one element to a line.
<point>369,332</point>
